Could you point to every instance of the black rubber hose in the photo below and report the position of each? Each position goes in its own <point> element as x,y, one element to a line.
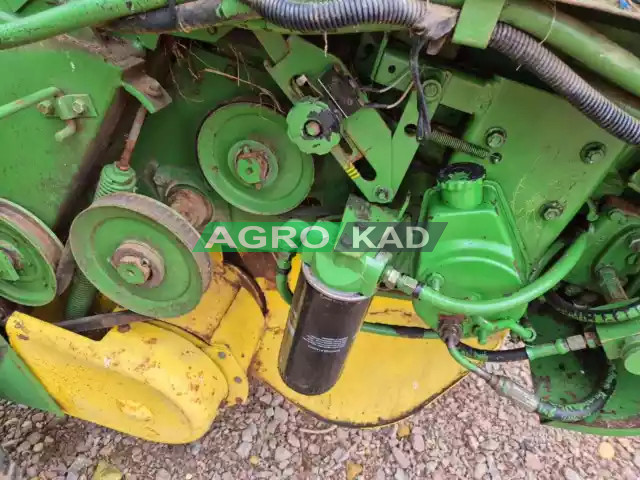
<point>597,315</point>
<point>184,17</point>
<point>498,356</point>
<point>319,16</point>
<point>528,52</point>
<point>579,411</point>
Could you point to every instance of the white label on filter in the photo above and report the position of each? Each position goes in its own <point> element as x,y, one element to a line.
<point>325,344</point>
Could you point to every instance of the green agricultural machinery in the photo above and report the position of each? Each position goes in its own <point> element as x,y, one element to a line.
<point>438,174</point>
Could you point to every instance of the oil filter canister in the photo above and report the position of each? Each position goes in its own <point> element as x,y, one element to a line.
<point>321,327</point>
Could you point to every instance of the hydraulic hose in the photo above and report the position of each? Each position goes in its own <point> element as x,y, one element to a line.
<point>505,387</point>
<point>538,287</point>
<point>598,315</point>
<point>283,267</point>
<point>574,412</point>
<point>418,15</point>
<point>528,52</point>
<point>185,18</point>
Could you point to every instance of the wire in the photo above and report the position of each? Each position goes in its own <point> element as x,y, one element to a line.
<point>424,127</point>
<point>393,105</point>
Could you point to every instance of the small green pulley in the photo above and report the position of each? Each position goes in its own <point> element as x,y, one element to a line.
<point>248,158</point>
<point>139,253</point>
<point>29,254</point>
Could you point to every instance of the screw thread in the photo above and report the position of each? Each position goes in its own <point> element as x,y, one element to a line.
<point>458,144</point>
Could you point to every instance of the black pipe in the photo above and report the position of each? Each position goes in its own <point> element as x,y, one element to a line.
<point>184,17</point>
<point>498,356</point>
<point>528,52</point>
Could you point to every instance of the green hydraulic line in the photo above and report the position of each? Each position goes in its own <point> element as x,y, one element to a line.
<point>391,331</point>
<point>491,307</point>
<point>283,263</point>
<point>29,100</point>
<point>68,17</point>
<point>571,37</point>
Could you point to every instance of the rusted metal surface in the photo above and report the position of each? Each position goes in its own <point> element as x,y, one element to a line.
<point>191,205</point>
<point>124,161</point>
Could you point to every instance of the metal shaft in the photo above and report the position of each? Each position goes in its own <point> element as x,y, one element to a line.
<point>70,16</point>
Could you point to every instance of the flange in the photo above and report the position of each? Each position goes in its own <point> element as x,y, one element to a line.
<point>139,253</point>
<point>247,157</point>
<point>29,254</point>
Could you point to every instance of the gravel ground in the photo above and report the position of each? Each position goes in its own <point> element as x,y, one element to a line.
<point>467,433</point>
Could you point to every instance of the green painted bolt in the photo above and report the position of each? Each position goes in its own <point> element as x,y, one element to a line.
<point>593,152</point>
<point>495,137</point>
<point>78,107</point>
<point>551,211</point>
<point>631,355</point>
<point>133,270</point>
<point>248,170</point>
<point>382,194</point>
<point>432,89</point>
<point>313,128</point>
<point>46,107</point>
<point>617,216</point>
<point>7,268</point>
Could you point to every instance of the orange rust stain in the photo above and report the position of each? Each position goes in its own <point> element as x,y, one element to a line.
<point>23,337</point>
<point>151,341</point>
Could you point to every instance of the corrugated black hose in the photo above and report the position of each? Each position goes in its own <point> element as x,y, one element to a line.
<point>528,52</point>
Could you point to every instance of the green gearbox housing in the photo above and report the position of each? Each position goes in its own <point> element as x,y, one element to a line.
<point>479,255</point>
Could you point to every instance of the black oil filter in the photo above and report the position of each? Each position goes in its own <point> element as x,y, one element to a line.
<point>321,327</point>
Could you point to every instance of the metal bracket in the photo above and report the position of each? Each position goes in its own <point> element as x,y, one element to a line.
<point>147,90</point>
<point>477,20</point>
<point>68,107</point>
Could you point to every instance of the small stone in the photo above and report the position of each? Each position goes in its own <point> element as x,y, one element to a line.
<point>23,447</point>
<point>636,460</point>
<point>188,476</point>
<point>163,474</point>
<point>254,460</point>
<point>400,475</point>
<point>34,438</point>
<point>417,442</point>
<point>249,432</point>
<point>26,426</point>
<point>106,471</point>
<point>479,470</point>
<point>339,455</point>
<point>32,471</point>
<point>401,457</point>
<point>404,430</point>
<point>38,417</point>
<point>532,462</point>
<point>293,440</point>
<point>606,451</point>
<point>48,440</point>
<point>490,445</point>
<point>570,474</point>
<point>38,447</point>
<point>313,449</point>
<point>244,450</point>
<point>266,398</point>
<point>280,414</point>
<point>282,454</point>
<point>353,470</point>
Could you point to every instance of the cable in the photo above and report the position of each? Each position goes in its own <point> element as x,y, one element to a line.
<point>528,52</point>
<point>597,315</point>
<point>424,126</point>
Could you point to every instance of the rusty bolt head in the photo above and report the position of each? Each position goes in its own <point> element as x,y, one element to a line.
<point>153,88</point>
<point>551,211</point>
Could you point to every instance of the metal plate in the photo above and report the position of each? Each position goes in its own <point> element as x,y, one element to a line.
<point>120,218</point>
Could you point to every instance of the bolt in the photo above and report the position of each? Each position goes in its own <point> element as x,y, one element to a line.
<point>301,80</point>
<point>382,194</point>
<point>495,158</point>
<point>134,270</point>
<point>46,107</point>
<point>78,107</point>
<point>153,88</point>
<point>222,355</point>
<point>313,128</point>
<point>634,243</point>
<point>617,216</point>
<point>551,211</point>
<point>495,137</point>
<point>432,89</point>
<point>593,152</point>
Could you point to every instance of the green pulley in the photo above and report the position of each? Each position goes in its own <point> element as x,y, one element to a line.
<point>29,254</point>
<point>139,253</point>
<point>313,127</point>
<point>247,157</point>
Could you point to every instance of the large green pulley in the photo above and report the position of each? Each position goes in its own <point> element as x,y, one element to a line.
<point>139,253</point>
<point>248,158</point>
<point>29,254</point>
